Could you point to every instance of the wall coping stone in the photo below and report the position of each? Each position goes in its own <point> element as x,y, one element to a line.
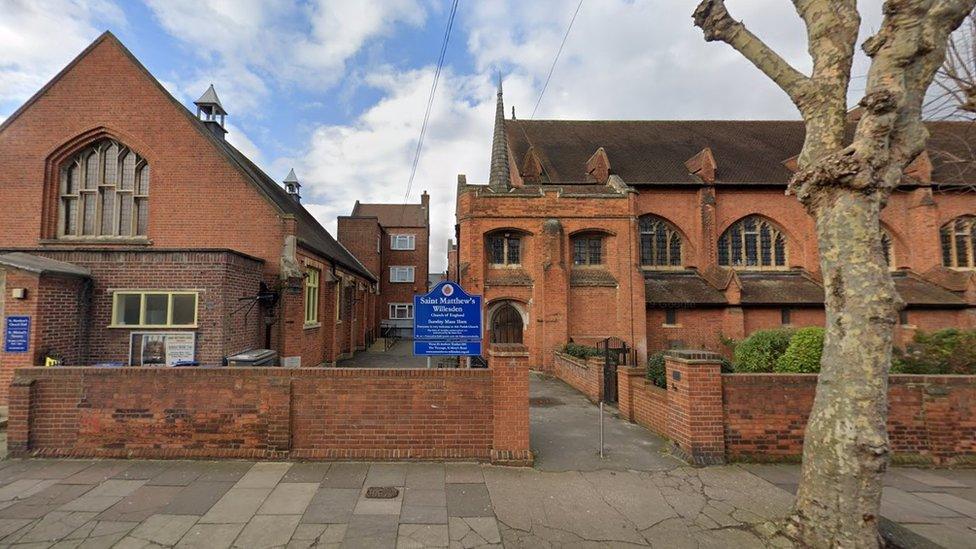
<point>693,356</point>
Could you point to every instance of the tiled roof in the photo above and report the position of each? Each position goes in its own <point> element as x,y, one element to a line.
<point>393,215</point>
<point>591,277</point>
<point>42,265</point>
<point>678,287</point>
<point>745,151</point>
<point>774,288</point>
<point>915,291</point>
<point>508,277</point>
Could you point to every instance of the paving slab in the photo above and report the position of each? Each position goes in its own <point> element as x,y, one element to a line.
<point>59,469</point>
<point>377,506</point>
<point>263,475</point>
<point>345,475</point>
<point>468,500</point>
<point>387,474</point>
<point>463,473</point>
<point>371,532</point>
<point>24,488</point>
<point>289,498</point>
<point>98,472</point>
<point>143,470</point>
<point>224,471</point>
<point>331,506</point>
<point>320,536</point>
<point>419,536</point>
<point>932,478</point>
<point>266,531</point>
<point>425,497</point>
<point>45,501</point>
<point>425,475</point>
<point>103,496</point>
<point>238,505</point>
<point>210,536</point>
<point>179,474</point>
<point>163,529</point>
<point>141,504</point>
<point>97,534</point>
<point>901,506</point>
<point>307,472</point>
<point>197,498</point>
<point>474,531</point>
<point>55,526</point>
<point>952,503</point>
<point>422,514</point>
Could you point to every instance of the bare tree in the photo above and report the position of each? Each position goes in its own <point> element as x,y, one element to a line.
<point>844,186</point>
<point>953,92</point>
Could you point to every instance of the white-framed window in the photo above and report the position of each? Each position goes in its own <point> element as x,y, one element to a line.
<point>154,309</point>
<point>403,242</point>
<point>312,296</point>
<point>400,273</point>
<point>401,311</point>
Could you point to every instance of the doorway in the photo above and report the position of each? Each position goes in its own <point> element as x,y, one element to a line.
<point>506,325</point>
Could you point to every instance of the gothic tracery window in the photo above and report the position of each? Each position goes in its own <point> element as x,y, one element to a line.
<point>660,243</point>
<point>104,191</point>
<point>958,239</point>
<point>752,242</point>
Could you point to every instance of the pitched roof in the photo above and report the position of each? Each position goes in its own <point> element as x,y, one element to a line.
<point>745,151</point>
<point>393,215</point>
<point>42,265</point>
<point>773,288</point>
<point>677,287</point>
<point>310,232</point>
<point>915,291</point>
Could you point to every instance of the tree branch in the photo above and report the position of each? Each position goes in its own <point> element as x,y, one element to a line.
<point>717,25</point>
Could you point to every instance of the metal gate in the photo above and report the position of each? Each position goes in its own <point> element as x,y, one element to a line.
<point>615,353</point>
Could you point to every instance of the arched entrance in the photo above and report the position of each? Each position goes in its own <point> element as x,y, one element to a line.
<point>506,325</point>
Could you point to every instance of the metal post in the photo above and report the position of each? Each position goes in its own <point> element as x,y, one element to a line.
<point>428,362</point>
<point>601,430</point>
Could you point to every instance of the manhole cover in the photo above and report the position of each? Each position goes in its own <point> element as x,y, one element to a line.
<point>544,402</point>
<point>382,492</point>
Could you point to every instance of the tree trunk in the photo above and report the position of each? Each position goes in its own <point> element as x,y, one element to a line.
<point>846,445</point>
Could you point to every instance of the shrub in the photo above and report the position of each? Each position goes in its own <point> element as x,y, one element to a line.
<point>760,351</point>
<point>655,370</point>
<point>948,351</point>
<point>802,356</point>
<point>580,351</point>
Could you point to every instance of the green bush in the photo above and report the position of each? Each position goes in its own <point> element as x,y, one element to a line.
<point>655,370</point>
<point>948,351</point>
<point>760,351</point>
<point>580,351</point>
<point>802,356</point>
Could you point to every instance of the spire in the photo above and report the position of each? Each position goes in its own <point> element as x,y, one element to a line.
<point>499,178</point>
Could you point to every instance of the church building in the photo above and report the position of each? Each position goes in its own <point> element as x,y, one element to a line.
<point>671,234</point>
<point>134,233</point>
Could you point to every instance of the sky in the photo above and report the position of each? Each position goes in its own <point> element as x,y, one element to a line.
<point>336,89</point>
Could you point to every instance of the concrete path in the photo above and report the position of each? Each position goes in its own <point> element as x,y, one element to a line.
<point>399,356</point>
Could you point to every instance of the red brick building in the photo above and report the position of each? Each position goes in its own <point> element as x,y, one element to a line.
<point>679,233</point>
<point>392,240</point>
<point>133,232</point>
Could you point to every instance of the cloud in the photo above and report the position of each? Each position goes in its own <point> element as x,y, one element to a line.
<point>30,54</point>
<point>253,45</point>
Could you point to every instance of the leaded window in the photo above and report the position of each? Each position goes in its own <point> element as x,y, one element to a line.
<point>660,243</point>
<point>504,249</point>
<point>752,242</point>
<point>958,239</point>
<point>588,249</point>
<point>104,191</point>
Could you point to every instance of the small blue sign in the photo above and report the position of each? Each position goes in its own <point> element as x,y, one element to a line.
<point>447,318</point>
<point>17,335</point>
<point>446,348</point>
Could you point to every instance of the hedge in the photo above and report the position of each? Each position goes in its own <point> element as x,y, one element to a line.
<point>948,351</point>
<point>761,350</point>
<point>580,351</point>
<point>802,356</point>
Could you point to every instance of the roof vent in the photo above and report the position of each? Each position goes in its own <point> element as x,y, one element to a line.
<point>211,112</point>
<point>292,186</point>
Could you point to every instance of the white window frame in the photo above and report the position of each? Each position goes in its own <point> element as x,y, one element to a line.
<point>312,278</point>
<point>395,307</point>
<point>403,242</point>
<point>117,294</point>
<point>397,270</point>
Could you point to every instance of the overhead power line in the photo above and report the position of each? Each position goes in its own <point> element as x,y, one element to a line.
<point>430,100</point>
<point>556,59</point>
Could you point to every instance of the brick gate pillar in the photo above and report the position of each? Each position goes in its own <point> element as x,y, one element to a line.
<point>509,366</point>
<point>695,416</point>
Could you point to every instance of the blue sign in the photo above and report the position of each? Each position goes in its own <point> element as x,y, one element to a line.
<point>17,335</point>
<point>447,321</point>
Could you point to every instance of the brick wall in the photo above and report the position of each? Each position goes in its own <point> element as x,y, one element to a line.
<point>640,401</point>
<point>273,412</point>
<point>930,418</point>
<point>586,376</point>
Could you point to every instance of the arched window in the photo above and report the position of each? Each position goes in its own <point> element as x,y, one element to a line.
<point>959,242</point>
<point>588,249</point>
<point>886,249</point>
<point>504,248</point>
<point>104,191</point>
<point>752,242</point>
<point>660,243</point>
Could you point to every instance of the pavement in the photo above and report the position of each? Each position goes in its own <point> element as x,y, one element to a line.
<point>637,495</point>
<point>399,356</point>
